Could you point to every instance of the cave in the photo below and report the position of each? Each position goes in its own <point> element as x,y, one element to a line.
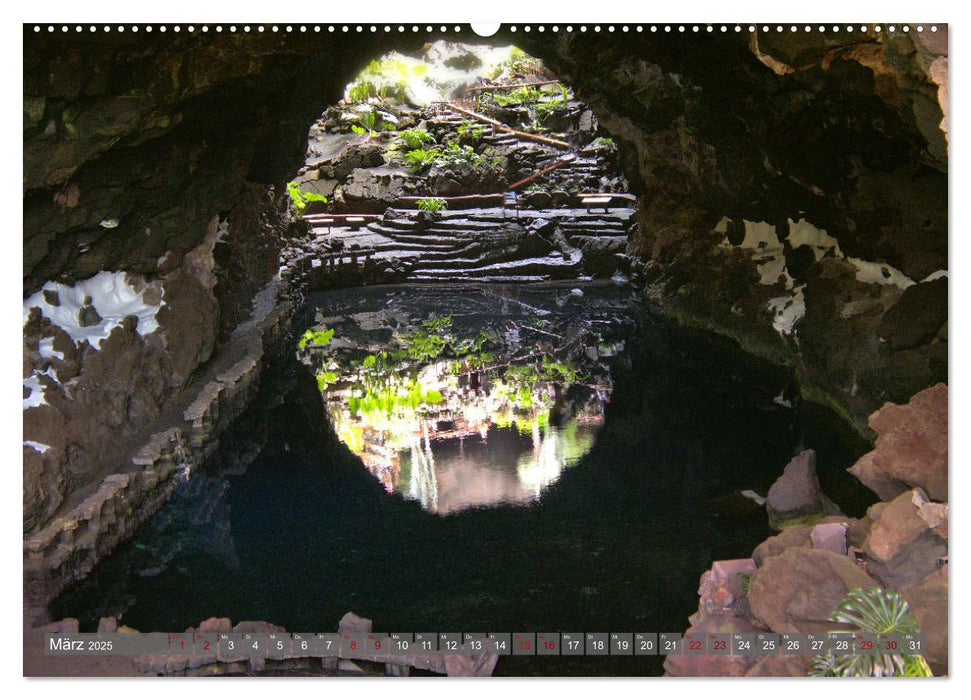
<point>525,331</point>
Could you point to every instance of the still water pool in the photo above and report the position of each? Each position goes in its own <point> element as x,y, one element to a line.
<point>568,462</point>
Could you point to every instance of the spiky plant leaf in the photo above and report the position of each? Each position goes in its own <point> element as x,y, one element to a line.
<point>878,610</point>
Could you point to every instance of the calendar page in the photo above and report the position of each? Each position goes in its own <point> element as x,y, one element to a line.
<point>600,348</point>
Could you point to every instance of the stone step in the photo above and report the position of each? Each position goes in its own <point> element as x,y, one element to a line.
<point>594,229</point>
<point>424,248</point>
<point>404,223</point>
<point>482,279</point>
<point>598,237</point>
<point>526,266</point>
<point>431,239</point>
<point>464,263</point>
<point>385,230</point>
<point>462,225</point>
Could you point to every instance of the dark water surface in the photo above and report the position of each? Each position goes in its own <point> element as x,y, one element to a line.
<point>304,533</point>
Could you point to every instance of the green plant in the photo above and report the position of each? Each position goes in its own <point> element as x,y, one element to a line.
<point>315,337</point>
<point>454,154</point>
<point>384,79</point>
<point>472,129</point>
<point>519,64</point>
<point>369,124</point>
<point>430,339</point>
<point>881,611</point>
<point>419,160</point>
<point>301,199</point>
<point>416,138</point>
<point>517,96</point>
<point>325,378</point>
<point>544,110</point>
<point>432,204</point>
<point>603,142</point>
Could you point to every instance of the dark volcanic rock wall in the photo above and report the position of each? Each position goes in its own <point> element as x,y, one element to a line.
<point>160,156</point>
<point>845,132</point>
<point>138,146</point>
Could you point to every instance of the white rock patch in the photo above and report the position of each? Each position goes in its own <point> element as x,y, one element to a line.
<point>788,310</point>
<point>36,395</point>
<point>879,273</point>
<point>47,350</point>
<point>804,233</point>
<point>767,253</point>
<point>111,296</point>
<point>222,231</point>
<point>760,235</point>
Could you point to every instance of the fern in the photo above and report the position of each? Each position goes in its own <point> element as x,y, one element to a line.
<point>432,204</point>
<point>419,160</point>
<point>416,138</point>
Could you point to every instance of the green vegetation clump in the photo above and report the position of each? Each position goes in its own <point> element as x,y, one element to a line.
<point>432,204</point>
<point>301,199</point>
<point>370,124</point>
<point>315,337</point>
<point>880,611</point>
<point>518,65</point>
<point>385,79</point>
<point>603,142</point>
<point>544,110</point>
<point>472,129</point>
<point>416,138</point>
<point>419,160</point>
<point>325,379</point>
<point>454,154</point>
<point>515,97</point>
<point>430,339</point>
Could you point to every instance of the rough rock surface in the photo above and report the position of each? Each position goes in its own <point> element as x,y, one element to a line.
<point>917,317</point>
<point>133,144</point>
<point>903,547</point>
<point>797,590</point>
<point>928,601</point>
<point>799,535</point>
<point>796,494</point>
<point>911,447</point>
<point>658,103</point>
<point>710,664</point>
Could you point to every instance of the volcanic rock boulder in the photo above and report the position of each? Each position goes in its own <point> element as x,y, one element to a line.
<point>911,449</point>
<point>710,664</point>
<point>917,317</point>
<point>928,601</point>
<point>902,544</point>
<point>797,590</point>
<point>794,536</point>
<point>796,494</point>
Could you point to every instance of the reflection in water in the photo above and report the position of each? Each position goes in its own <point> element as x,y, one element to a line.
<point>451,474</point>
<point>464,409</point>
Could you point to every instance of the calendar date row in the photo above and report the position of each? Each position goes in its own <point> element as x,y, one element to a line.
<point>379,646</point>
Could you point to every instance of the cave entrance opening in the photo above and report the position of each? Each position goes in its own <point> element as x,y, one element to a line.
<point>476,165</point>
